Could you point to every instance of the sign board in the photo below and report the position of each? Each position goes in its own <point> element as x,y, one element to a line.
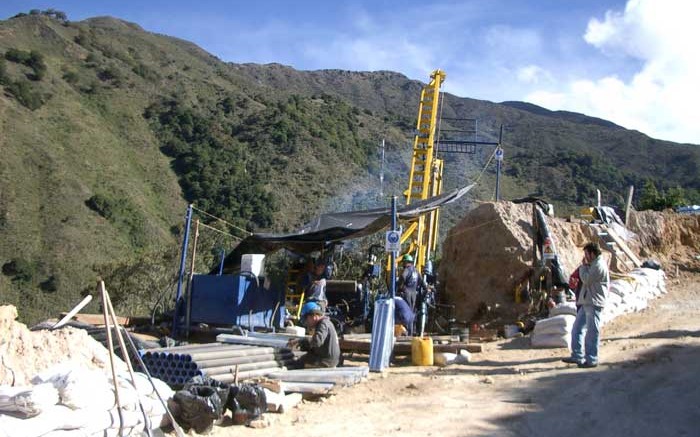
<point>393,241</point>
<point>499,154</point>
<point>548,249</point>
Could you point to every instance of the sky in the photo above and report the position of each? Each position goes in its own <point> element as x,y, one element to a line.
<point>631,62</point>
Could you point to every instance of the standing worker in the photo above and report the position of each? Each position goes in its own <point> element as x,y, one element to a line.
<point>314,284</point>
<point>595,280</point>
<point>409,281</point>
<point>322,349</point>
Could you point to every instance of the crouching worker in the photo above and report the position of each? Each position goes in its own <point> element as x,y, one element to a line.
<point>403,315</point>
<point>322,348</point>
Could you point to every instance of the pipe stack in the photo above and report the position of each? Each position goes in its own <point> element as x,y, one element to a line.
<point>177,365</point>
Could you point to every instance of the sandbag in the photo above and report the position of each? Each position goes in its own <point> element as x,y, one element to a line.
<point>563,308</point>
<point>27,401</point>
<point>550,340</point>
<point>560,325</point>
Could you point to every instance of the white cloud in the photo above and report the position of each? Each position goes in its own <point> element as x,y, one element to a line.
<point>533,74</point>
<point>660,98</point>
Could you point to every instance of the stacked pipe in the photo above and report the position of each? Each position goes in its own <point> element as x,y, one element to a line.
<point>177,365</point>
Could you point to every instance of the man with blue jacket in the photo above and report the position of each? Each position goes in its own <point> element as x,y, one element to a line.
<point>585,335</point>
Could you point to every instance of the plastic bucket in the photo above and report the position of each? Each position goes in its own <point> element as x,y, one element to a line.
<point>422,351</point>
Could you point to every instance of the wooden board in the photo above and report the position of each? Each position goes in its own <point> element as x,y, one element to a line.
<point>98,319</point>
<point>404,347</point>
<point>622,245</point>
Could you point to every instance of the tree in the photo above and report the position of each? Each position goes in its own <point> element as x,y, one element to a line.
<point>650,196</point>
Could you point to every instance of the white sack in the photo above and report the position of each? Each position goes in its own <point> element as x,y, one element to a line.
<point>28,401</point>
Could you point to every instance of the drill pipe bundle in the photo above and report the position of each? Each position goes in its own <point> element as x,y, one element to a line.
<point>178,365</point>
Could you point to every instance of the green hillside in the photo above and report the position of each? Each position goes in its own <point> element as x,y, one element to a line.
<point>109,131</point>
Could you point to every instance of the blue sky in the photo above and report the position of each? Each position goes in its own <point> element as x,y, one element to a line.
<point>624,61</point>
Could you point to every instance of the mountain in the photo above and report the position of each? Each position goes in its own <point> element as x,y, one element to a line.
<point>109,131</point>
<point>573,117</point>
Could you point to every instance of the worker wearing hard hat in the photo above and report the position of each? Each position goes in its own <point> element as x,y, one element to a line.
<point>409,282</point>
<point>323,349</point>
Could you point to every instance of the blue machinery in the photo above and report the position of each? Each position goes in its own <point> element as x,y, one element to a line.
<point>226,300</point>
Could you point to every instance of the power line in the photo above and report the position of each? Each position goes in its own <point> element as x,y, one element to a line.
<point>222,220</point>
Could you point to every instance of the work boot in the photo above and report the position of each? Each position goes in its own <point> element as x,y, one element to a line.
<point>572,360</point>
<point>587,365</point>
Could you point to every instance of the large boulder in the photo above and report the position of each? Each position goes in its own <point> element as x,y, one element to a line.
<point>491,250</point>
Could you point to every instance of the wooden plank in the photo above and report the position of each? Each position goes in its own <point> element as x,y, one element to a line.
<point>404,348</point>
<point>624,247</point>
<point>98,319</point>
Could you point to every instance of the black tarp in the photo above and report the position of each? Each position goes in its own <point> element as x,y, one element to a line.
<point>335,227</point>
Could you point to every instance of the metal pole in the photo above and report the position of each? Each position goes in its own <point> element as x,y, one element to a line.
<point>381,173</point>
<point>188,290</point>
<point>221,264</point>
<point>183,261</point>
<point>393,253</point>
<point>499,160</point>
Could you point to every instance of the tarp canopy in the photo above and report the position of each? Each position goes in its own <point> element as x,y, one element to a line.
<point>335,227</point>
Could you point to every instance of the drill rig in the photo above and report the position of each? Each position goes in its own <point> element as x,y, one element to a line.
<point>425,178</point>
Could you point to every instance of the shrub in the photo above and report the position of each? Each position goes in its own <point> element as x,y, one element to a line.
<point>50,285</point>
<point>20,270</point>
<point>25,95</point>
<point>71,77</point>
<point>17,56</point>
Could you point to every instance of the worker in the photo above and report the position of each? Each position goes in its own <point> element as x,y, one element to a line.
<point>403,314</point>
<point>409,281</point>
<point>323,349</point>
<point>595,280</point>
<point>314,284</point>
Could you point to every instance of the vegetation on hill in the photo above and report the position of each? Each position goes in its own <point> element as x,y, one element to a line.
<point>109,131</point>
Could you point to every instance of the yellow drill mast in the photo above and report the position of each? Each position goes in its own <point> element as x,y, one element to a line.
<point>425,179</point>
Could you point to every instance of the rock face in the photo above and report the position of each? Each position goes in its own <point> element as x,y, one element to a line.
<point>487,253</point>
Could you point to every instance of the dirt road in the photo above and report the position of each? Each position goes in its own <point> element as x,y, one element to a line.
<point>648,384</point>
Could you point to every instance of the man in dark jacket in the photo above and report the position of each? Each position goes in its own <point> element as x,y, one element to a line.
<point>585,335</point>
<point>322,349</point>
<point>403,314</point>
<point>409,282</point>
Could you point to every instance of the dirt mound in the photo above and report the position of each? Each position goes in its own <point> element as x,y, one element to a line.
<point>672,238</point>
<point>487,253</point>
<point>24,353</point>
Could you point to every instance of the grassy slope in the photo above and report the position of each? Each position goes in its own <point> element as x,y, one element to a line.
<point>57,157</point>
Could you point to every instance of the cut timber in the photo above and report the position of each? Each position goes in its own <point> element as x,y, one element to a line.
<point>404,348</point>
<point>98,319</point>
<point>623,246</point>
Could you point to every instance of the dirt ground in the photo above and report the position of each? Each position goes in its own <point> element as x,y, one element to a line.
<point>648,384</point>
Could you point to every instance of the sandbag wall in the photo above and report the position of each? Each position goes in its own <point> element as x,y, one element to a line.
<point>629,294</point>
<point>177,365</point>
